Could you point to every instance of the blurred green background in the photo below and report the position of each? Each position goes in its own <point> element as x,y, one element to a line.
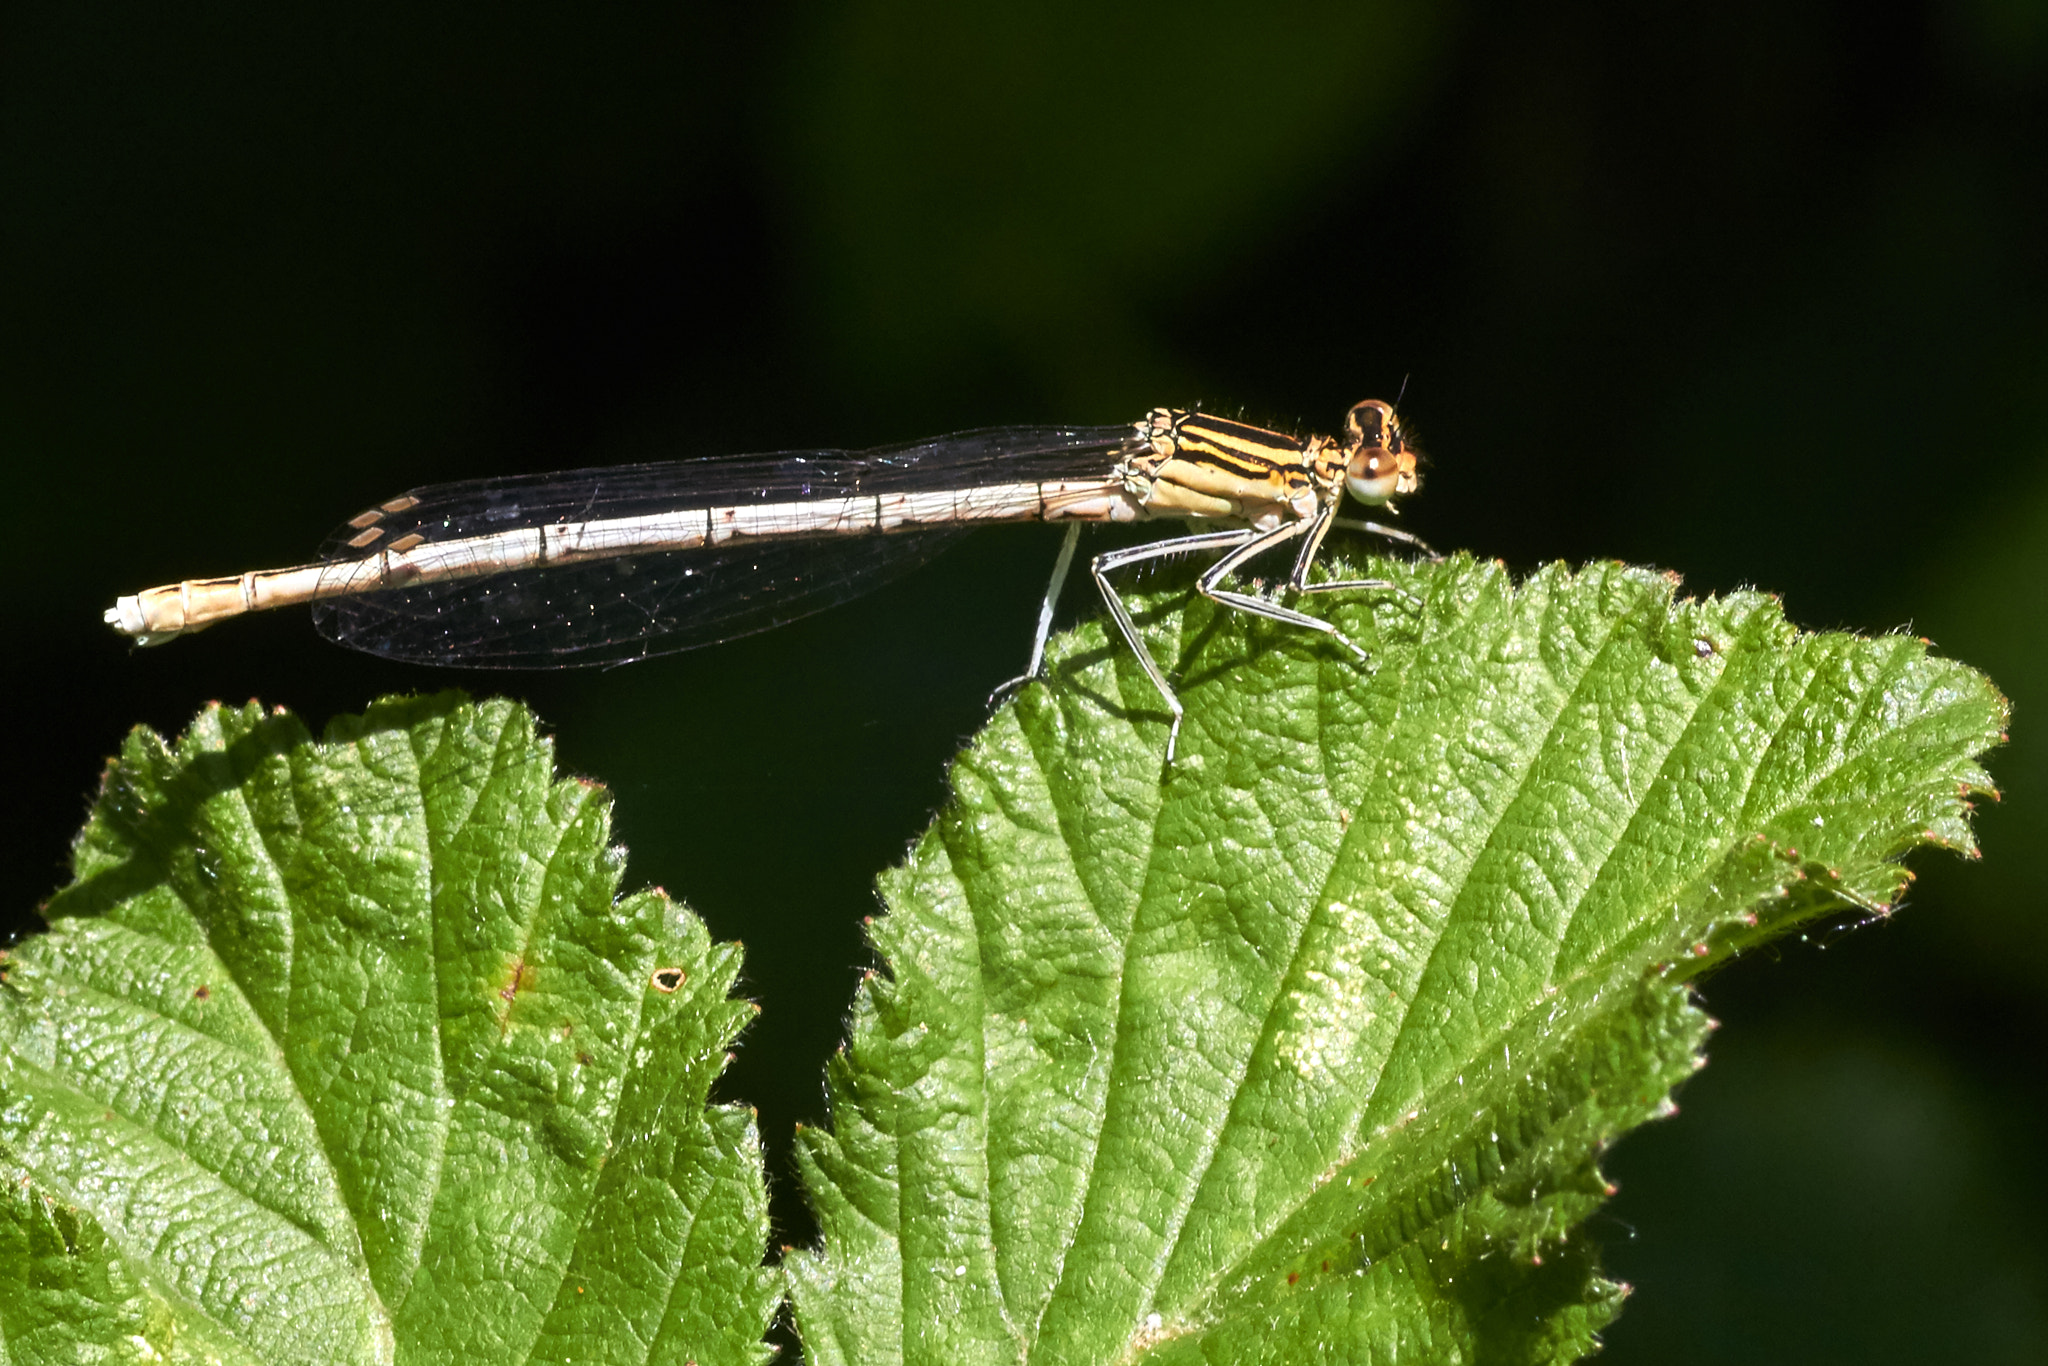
<point>1756,291</point>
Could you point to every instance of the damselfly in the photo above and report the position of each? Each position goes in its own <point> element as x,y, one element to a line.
<point>606,565</point>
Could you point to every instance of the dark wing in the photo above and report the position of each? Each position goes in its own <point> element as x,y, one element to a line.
<point>610,611</point>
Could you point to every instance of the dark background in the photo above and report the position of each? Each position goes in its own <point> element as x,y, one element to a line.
<point>1755,291</point>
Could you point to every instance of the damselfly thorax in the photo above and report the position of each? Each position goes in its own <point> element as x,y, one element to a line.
<point>606,565</point>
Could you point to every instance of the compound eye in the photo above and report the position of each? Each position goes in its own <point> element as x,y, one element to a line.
<point>1374,476</point>
<point>1368,423</point>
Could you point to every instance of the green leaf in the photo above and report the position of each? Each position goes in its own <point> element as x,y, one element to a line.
<point>344,1051</point>
<point>1306,1049</point>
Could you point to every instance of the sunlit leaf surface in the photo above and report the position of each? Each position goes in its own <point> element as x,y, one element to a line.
<point>345,1051</point>
<point>1306,1049</point>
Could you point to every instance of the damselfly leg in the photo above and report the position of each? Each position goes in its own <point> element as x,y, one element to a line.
<point>1241,547</point>
<point>1103,564</point>
<point>1060,566</point>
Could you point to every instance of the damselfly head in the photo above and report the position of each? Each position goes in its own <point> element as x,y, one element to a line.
<point>1382,463</point>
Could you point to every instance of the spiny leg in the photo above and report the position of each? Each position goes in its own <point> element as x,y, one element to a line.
<point>1392,533</point>
<point>1102,564</point>
<point>1300,584</point>
<point>1045,609</point>
<point>1318,528</point>
<point>1259,607</point>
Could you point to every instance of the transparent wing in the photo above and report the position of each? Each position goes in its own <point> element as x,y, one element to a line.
<point>610,611</point>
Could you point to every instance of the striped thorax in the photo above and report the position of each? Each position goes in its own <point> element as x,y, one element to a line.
<point>1190,464</point>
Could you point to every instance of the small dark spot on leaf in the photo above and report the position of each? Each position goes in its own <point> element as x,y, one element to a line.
<point>519,979</point>
<point>666,980</point>
<point>1293,1276</point>
<point>202,992</point>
